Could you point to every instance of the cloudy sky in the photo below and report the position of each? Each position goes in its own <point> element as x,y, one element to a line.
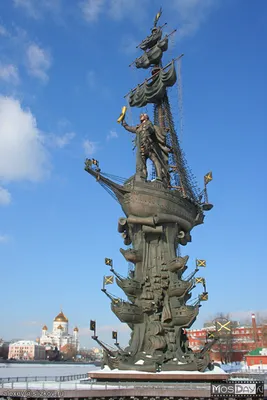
<point>64,71</point>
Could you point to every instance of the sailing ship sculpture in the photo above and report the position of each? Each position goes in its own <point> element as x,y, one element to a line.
<point>159,216</point>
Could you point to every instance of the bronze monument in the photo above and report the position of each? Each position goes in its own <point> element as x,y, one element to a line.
<point>160,214</point>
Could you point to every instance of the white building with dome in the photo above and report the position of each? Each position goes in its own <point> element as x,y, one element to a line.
<point>60,336</point>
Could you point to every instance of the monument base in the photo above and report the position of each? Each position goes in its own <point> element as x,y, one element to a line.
<point>107,375</point>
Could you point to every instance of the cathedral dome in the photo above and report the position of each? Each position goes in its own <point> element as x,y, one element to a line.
<point>61,318</point>
<point>76,329</point>
<point>44,328</point>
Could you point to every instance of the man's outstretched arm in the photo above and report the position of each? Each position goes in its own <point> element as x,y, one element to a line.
<point>128,128</point>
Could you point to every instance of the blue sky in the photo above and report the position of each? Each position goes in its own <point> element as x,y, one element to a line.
<point>63,74</point>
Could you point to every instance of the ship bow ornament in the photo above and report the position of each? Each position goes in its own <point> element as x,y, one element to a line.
<point>159,215</point>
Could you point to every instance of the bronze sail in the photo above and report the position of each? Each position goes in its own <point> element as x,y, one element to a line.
<point>153,56</point>
<point>155,90</point>
<point>152,39</point>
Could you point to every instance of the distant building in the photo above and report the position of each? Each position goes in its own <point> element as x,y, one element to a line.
<point>257,357</point>
<point>60,336</point>
<point>26,350</point>
<point>241,341</point>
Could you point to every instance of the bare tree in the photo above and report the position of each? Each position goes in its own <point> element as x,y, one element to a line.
<point>4,351</point>
<point>264,335</point>
<point>224,331</point>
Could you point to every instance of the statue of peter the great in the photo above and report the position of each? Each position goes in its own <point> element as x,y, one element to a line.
<point>151,144</point>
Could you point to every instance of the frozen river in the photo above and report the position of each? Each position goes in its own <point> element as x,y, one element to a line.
<point>22,370</point>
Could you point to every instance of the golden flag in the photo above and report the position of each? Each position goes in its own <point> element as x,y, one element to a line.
<point>210,335</point>
<point>92,325</point>
<point>204,296</point>
<point>200,280</point>
<point>223,326</point>
<point>108,261</point>
<point>114,335</point>
<point>108,280</point>
<point>208,178</point>
<point>200,263</point>
<point>157,17</point>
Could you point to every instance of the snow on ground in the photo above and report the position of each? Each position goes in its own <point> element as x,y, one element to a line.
<point>23,370</point>
<point>242,367</point>
<point>255,368</point>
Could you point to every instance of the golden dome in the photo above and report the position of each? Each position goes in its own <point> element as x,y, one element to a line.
<point>60,327</point>
<point>44,328</point>
<point>75,329</point>
<point>61,318</point>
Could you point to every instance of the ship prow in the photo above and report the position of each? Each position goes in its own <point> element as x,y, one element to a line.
<point>117,189</point>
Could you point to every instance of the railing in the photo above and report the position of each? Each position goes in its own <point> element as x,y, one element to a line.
<point>64,378</point>
<point>262,376</point>
<point>247,371</point>
<point>63,382</point>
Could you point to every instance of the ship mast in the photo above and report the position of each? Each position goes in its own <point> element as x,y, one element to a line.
<point>154,91</point>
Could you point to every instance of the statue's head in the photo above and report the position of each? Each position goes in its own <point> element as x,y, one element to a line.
<point>144,117</point>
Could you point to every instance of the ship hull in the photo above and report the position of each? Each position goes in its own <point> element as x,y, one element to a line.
<point>127,312</point>
<point>129,286</point>
<point>184,316</point>
<point>179,288</point>
<point>148,199</point>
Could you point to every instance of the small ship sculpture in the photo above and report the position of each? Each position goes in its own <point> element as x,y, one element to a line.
<point>160,214</point>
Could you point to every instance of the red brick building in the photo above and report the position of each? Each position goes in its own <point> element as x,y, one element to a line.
<point>257,357</point>
<point>241,341</point>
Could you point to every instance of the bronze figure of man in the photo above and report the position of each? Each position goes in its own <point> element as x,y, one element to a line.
<point>150,145</point>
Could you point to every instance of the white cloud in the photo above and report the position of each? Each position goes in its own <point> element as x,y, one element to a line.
<point>9,73</point>
<point>61,140</point>
<point>37,8</point>
<point>89,147</point>
<point>128,45</point>
<point>5,196</point>
<point>94,83</point>
<point>38,62</point>
<point>91,78</point>
<point>112,135</point>
<point>4,239</point>
<point>28,6</point>
<point>244,316</point>
<point>119,9</point>
<point>191,14</point>
<point>91,9</point>
<point>3,31</point>
<point>22,153</point>
<point>115,9</point>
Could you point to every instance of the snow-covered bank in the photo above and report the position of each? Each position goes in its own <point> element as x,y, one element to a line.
<point>23,370</point>
<point>243,367</point>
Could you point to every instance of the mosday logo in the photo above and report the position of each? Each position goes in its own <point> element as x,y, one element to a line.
<point>239,389</point>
